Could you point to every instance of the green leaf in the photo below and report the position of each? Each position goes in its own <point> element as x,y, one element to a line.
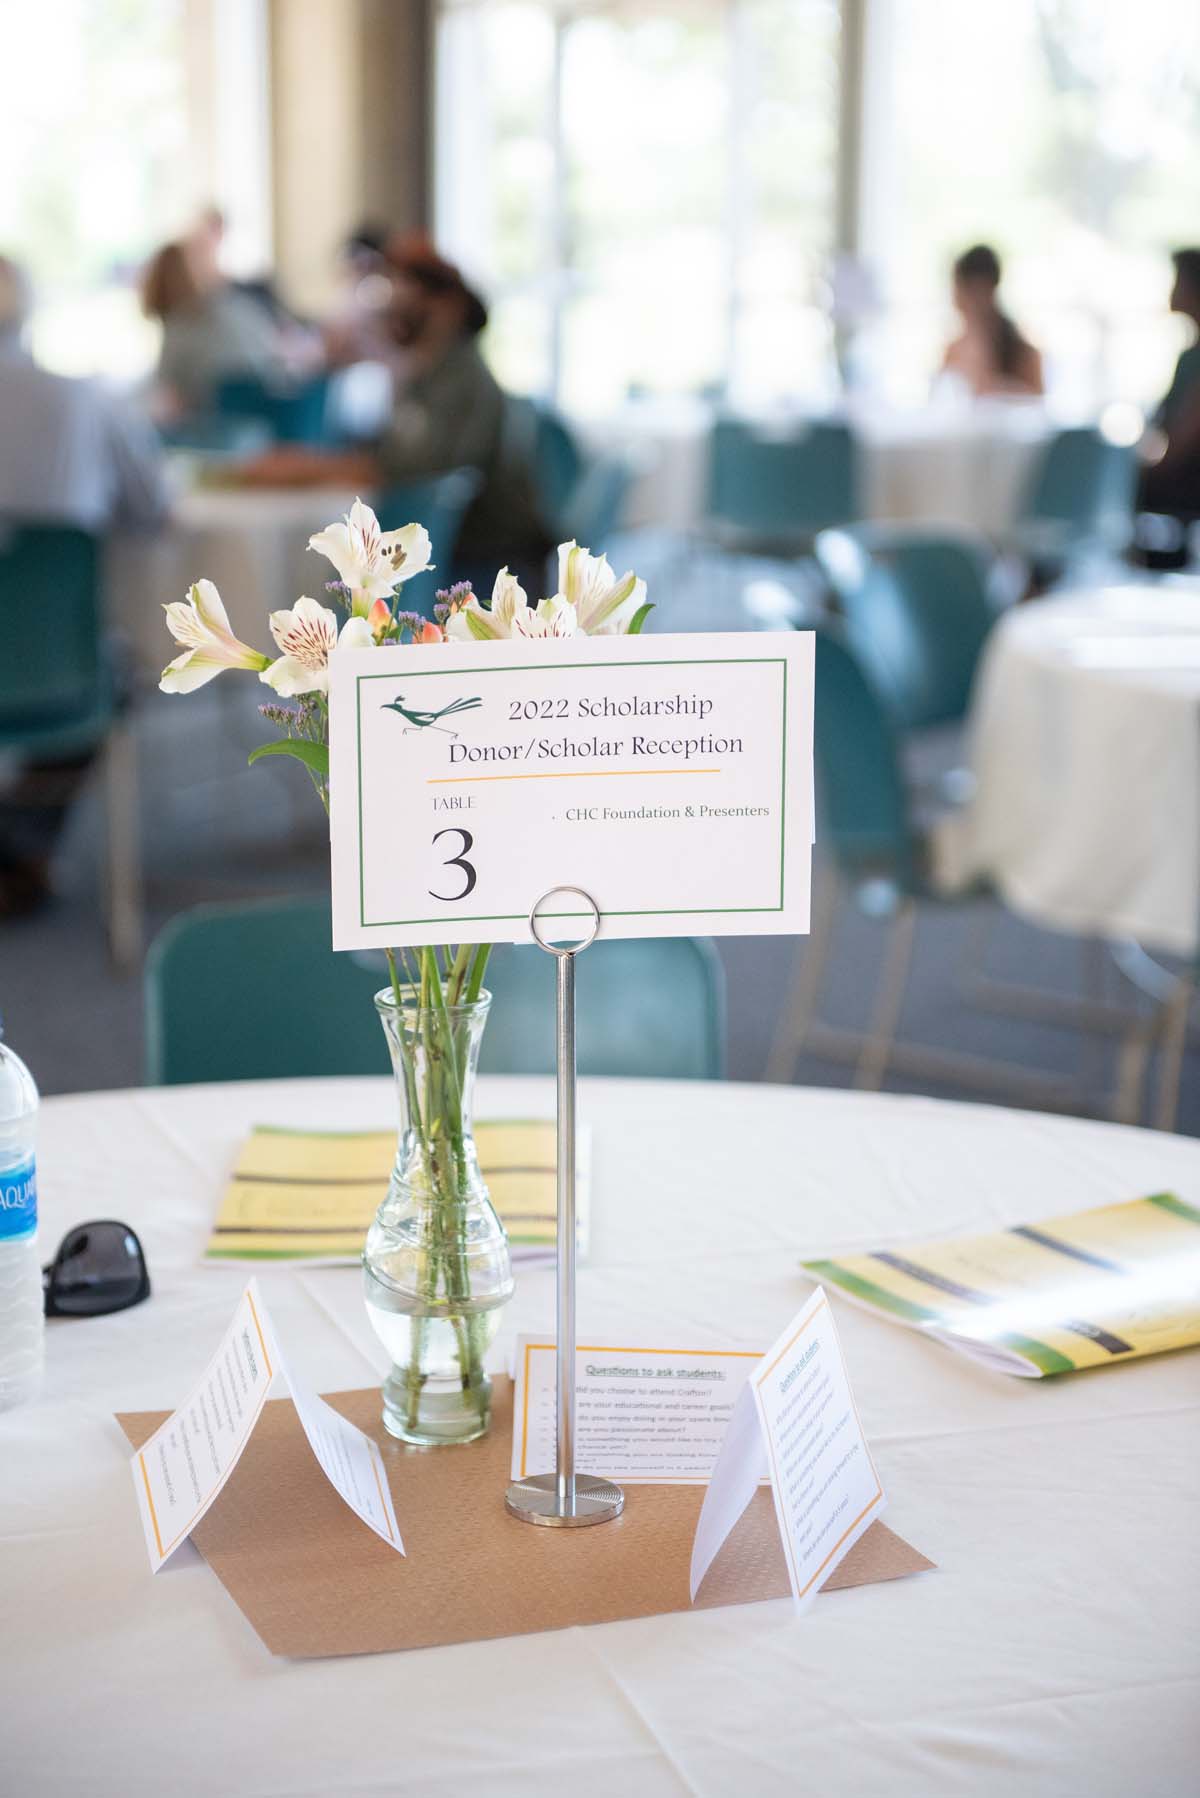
<point>315,756</point>
<point>639,619</point>
<point>479,625</point>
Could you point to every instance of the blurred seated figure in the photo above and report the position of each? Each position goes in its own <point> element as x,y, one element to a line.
<point>449,412</point>
<point>70,453</point>
<point>210,331</point>
<point>357,328</point>
<point>990,356</point>
<point>1171,484</point>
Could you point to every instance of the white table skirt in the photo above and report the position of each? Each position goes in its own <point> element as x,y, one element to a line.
<point>964,468</point>
<point>253,543</point>
<point>1055,1649</point>
<point>1085,746</point>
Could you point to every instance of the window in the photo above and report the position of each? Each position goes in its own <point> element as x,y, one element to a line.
<point>1062,131</point>
<point>114,136</point>
<point>644,189</point>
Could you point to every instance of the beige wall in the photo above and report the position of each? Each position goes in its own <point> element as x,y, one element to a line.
<point>349,110</point>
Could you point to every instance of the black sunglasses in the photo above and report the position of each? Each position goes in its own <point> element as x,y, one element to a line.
<point>99,1267</point>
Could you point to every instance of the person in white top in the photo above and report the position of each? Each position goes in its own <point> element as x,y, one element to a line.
<point>71,453</point>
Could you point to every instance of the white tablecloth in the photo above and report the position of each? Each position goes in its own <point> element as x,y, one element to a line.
<point>1054,1651</point>
<point>1085,732</point>
<point>252,543</point>
<point>962,466</point>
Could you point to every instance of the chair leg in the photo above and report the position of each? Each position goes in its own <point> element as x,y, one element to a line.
<point>123,876</point>
<point>808,975</point>
<point>1132,1060</point>
<point>1173,1045</point>
<point>889,997</point>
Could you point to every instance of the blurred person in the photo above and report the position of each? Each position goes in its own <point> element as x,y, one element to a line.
<point>990,355</point>
<point>210,331</point>
<point>450,412</point>
<point>204,245</point>
<point>1170,484</point>
<point>357,328</point>
<point>70,453</point>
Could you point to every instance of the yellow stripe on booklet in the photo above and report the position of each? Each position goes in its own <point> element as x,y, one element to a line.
<point>1086,1290</point>
<point>310,1195</point>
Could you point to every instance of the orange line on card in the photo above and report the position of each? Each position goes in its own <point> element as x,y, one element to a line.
<point>853,1526</point>
<point>262,1340</point>
<point>787,1345</point>
<point>525,1412</point>
<point>382,1500</point>
<point>458,780</point>
<point>608,1348</point>
<point>150,1502</point>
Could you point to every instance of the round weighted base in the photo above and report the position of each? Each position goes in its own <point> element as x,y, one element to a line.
<point>535,1500</point>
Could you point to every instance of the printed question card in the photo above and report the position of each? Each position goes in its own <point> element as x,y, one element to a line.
<point>181,1469</point>
<point>796,1422</point>
<point>668,777</point>
<point>652,1415</point>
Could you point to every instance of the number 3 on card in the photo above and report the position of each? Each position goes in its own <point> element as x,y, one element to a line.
<point>465,845</point>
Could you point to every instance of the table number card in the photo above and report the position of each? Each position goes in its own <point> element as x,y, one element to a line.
<point>669,777</point>
<point>179,1472</point>
<point>796,1423</point>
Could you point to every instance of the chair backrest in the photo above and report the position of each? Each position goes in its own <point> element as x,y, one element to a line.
<point>593,512</point>
<point>1081,480</point>
<point>917,613</point>
<point>558,463</point>
<point>782,486</point>
<point>50,661</point>
<point>254,992</point>
<point>651,1008</point>
<point>295,414</point>
<point>439,502</point>
<point>862,792</point>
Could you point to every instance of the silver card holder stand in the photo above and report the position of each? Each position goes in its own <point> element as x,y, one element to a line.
<point>565,1499</point>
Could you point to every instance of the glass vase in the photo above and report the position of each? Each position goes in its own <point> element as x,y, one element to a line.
<point>436,1266</point>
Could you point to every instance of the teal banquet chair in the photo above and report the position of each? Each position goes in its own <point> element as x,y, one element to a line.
<point>771,492</point>
<point>879,854</point>
<point>294,412</point>
<point>439,502</point>
<point>916,611</point>
<point>1079,496</point>
<point>60,696</point>
<point>224,1001</point>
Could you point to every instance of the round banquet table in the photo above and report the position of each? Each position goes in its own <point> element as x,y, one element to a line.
<point>251,542</point>
<point>1054,1649</point>
<point>962,466</point>
<point>1085,747</point>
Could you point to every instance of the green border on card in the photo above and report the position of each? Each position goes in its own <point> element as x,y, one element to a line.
<point>706,911</point>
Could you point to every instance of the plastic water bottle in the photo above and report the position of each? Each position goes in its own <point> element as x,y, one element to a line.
<point>22,1325</point>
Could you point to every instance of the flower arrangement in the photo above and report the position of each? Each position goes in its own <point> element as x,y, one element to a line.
<point>436,1263</point>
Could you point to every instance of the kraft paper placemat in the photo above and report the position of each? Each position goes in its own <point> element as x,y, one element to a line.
<point>313,1580</point>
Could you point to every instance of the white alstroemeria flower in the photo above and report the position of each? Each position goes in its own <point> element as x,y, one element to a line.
<point>371,562</point>
<point>201,624</point>
<point>553,618</point>
<point>511,615</point>
<point>604,606</point>
<point>307,636</point>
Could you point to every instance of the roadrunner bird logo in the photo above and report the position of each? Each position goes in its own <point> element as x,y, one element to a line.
<point>429,720</point>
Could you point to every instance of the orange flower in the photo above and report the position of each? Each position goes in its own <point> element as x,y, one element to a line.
<point>430,633</point>
<point>379,617</point>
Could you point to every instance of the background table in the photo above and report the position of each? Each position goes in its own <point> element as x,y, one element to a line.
<point>252,542</point>
<point>965,466</point>
<point>1085,747</point>
<point>1054,1650</point>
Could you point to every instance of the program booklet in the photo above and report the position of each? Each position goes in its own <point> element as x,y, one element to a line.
<point>1086,1290</point>
<point>310,1195</point>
